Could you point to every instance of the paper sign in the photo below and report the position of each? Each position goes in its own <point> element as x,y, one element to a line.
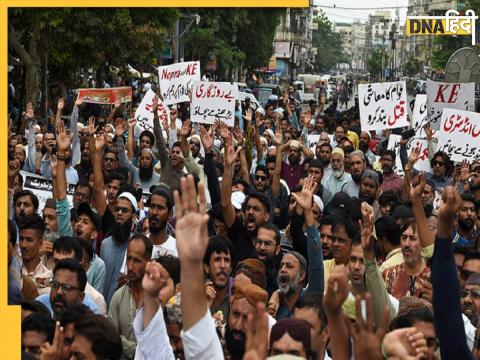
<point>423,163</point>
<point>394,144</point>
<point>383,105</point>
<point>176,80</point>
<point>459,135</point>
<point>144,113</point>
<point>312,141</point>
<point>420,115</point>
<point>213,100</point>
<point>106,95</point>
<point>42,188</point>
<point>443,95</point>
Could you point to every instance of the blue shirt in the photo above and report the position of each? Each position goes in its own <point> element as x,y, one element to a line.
<point>87,301</point>
<point>112,254</point>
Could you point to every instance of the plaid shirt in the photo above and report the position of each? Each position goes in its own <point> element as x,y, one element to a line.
<point>393,182</point>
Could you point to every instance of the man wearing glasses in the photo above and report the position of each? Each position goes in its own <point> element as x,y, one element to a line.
<point>67,287</point>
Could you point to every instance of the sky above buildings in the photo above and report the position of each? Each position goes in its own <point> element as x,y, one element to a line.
<point>349,10</point>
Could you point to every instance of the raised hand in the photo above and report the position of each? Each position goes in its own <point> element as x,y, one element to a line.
<point>91,129</point>
<point>154,280</point>
<point>53,168</point>
<point>185,131</point>
<point>79,101</point>
<point>278,138</point>
<point>54,351</point>
<point>224,133</point>
<point>155,104</point>
<point>132,122</point>
<point>337,290</point>
<point>366,230</point>
<point>273,303</point>
<point>100,143</point>
<point>117,104</point>
<point>449,206</point>
<point>248,115</point>
<point>61,104</point>
<point>465,173</point>
<point>417,191</point>
<point>428,131</point>
<point>119,130</point>
<point>63,141</point>
<point>29,113</point>
<point>231,155</point>
<point>305,199</point>
<point>405,344</point>
<point>238,134</point>
<point>367,339</point>
<point>207,137</point>
<point>191,226</point>
<point>257,335</point>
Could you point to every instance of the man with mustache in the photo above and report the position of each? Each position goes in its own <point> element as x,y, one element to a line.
<point>391,181</point>
<point>218,268</point>
<point>160,205</point>
<point>267,249</point>
<point>143,174</point>
<point>256,211</point>
<point>323,152</point>
<point>127,299</point>
<point>368,192</point>
<point>358,166</point>
<point>30,231</point>
<point>470,298</point>
<point>292,171</point>
<point>339,177</point>
<point>363,145</point>
<point>114,247</point>
<point>467,235</point>
<point>26,203</point>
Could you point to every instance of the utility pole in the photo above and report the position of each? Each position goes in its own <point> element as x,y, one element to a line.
<point>394,50</point>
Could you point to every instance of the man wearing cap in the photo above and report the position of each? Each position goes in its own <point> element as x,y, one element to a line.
<point>292,171</point>
<point>50,220</point>
<point>363,145</point>
<point>290,336</point>
<point>160,206</point>
<point>143,174</point>
<point>113,248</point>
<point>357,167</point>
<point>339,177</point>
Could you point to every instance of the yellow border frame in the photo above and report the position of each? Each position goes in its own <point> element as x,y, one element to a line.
<point>10,315</point>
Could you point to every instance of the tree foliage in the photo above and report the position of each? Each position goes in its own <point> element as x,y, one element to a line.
<point>329,45</point>
<point>374,62</point>
<point>236,37</point>
<point>80,38</point>
<point>411,67</point>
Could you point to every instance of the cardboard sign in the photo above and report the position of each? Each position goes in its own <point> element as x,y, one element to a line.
<point>383,105</point>
<point>441,95</point>
<point>42,188</point>
<point>459,135</point>
<point>312,141</point>
<point>176,80</point>
<point>213,100</point>
<point>106,96</point>
<point>144,113</point>
<point>423,163</point>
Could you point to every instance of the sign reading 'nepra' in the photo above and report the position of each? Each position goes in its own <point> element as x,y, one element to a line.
<point>383,105</point>
<point>213,100</point>
<point>144,113</point>
<point>442,95</point>
<point>176,80</point>
<point>460,134</point>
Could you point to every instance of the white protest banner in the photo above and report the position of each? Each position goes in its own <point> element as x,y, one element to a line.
<point>394,144</point>
<point>177,79</point>
<point>383,105</point>
<point>144,113</point>
<point>312,141</point>
<point>42,188</point>
<point>213,100</point>
<point>459,135</point>
<point>423,163</point>
<point>420,114</point>
<point>442,95</point>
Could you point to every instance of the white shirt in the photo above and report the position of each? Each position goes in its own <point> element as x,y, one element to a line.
<point>97,297</point>
<point>201,341</point>
<point>169,247</point>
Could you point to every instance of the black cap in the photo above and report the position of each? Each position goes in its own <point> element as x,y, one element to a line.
<point>85,209</point>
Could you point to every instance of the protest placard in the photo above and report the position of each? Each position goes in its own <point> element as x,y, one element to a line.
<point>213,100</point>
<point>394,144</point>
<point>420,114</point>
<point>106,96</point>
<point>459,134</point>
<point>144,113</point>
<point>312,141</point>
<point>423,163</point>
<point>176,80</point>
<point>383,105</point>
<point>42,188</point>
<point>441,95</point>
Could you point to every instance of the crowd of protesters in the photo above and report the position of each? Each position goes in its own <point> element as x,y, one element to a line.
<point>202,241</point>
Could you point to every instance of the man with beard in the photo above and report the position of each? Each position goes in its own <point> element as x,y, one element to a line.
<point>218,267</point>
<point>470,298</point>
<point>84,168</point>
<point>50,220</point>
<point>172,165</point>
<point>391,181</point>
<point>466,233</point>
<point>315,171</point>
<point>256,211</point>
<point>143,174</point>
<point>267,248</point>
<point>83,193</point>
<point>26,203</point>
<point>292,171</point>
<point>339,177</point>
<point>30,231</point>
<point>114,247</point>
<point>406,279</point>
<point>160,207</point>
<point>363,145</point>
<point>127,299</point>
<point>67,287</point>
<point>357,167</point>
<point>368,192</point>
<point>109,160</point>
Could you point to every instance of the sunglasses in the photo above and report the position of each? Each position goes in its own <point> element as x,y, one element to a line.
<point>260,177</point>
<point>122,209</point>
<point>109,159</point>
